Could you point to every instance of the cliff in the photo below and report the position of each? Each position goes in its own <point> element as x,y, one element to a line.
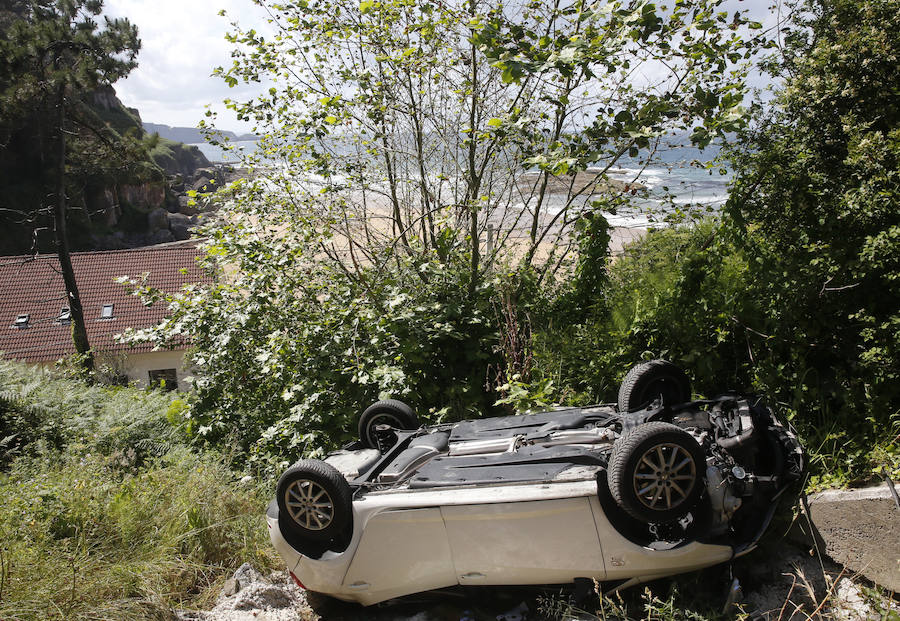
<point>123,190</point>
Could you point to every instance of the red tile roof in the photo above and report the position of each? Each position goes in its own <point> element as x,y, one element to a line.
<point>33,285</point>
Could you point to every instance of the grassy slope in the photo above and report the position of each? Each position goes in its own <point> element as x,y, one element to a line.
<point>106,513</point>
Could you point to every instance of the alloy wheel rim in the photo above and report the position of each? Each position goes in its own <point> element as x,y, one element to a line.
<point>309,504</point>
<point>664,477</point>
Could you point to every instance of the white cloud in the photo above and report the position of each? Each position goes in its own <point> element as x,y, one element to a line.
<point>183,41</point>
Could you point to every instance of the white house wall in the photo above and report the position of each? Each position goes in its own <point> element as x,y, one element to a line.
<point>139,365</point>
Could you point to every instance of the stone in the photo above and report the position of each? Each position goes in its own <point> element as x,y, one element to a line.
<point>144,196</point>
<point>203,184</point>
<point>857,528</point>
<point>231,586</point>
<point>247,574</point>
<point>157,219</point>
<point>112,242</point>
<point>180,225</point>
<point>185,207</point>
<point>162,236</point>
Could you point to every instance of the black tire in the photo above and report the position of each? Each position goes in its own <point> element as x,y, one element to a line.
<point>646,382</point>
<point>314,500</point>
<point>388,412</point>
<point>656,495</point>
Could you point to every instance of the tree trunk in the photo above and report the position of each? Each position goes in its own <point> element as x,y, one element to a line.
<point>79,332</point>
<point>474,180</point>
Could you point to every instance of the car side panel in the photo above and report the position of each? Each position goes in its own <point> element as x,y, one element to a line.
<point>625,559</point>
<point>400,552</point>
<point>537,542</point>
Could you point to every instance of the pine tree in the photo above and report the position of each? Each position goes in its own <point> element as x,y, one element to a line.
<point>51,53</point>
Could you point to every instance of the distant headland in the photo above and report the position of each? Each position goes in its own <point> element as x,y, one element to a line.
<point>191,135</point>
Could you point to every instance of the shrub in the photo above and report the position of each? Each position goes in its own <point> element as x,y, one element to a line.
<point>37,406</point>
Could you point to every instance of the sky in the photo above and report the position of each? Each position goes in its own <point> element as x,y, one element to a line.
<point>183,41</point>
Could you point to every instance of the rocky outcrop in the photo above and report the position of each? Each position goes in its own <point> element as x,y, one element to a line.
<point>175,158</point>
<point>154,212</point>
<point>145,195</point>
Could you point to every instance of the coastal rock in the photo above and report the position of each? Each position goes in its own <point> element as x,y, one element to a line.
<point>144,196</point>
<point>180,225</point>
<point>203,184</point>
<point>104,202</point>
<point>185,206</point>
<point>116,241</point>
<point>211,172</point>
<point>162,236</point>
<point>157,219</point>
<point>177,158</point>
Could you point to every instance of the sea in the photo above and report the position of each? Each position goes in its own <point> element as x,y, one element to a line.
<point>678,185</point>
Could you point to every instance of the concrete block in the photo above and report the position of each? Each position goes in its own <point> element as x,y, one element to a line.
<point>860,529</point>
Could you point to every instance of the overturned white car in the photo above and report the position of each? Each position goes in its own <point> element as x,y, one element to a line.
<point>650,487</point>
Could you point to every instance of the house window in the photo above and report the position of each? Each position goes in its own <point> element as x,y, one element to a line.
<point>65,316</point>
<point>22,321</point>
<point>107,312</point>
<point>167,379</point>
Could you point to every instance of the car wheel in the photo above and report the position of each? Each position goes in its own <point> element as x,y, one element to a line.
<point>651,380</point>
<point>656,472</point>
<point>388,412</point>
<point>315,500</point>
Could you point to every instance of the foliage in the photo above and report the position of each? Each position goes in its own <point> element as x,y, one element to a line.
<point>84,539</point>
<point>413,172</point>
<point>289,351</point>
<point>793,294</point>
<point>40,409</point>
<point>815,204</point>
<point>106,513</point>
<point>675,294</point>
<point>51,53</point>
<point>55,59</point>
<point>694,295</point>
<point>430,128</point>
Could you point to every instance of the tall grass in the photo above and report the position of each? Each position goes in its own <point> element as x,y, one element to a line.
<point>106,513</point>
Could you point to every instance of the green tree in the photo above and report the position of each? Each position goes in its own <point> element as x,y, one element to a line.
<point>51,54</point>
<point>817,206</point>
<point>418,167</point>
<point>434,127</point>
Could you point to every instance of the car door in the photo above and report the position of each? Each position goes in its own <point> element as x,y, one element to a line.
<point>533,542</point>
